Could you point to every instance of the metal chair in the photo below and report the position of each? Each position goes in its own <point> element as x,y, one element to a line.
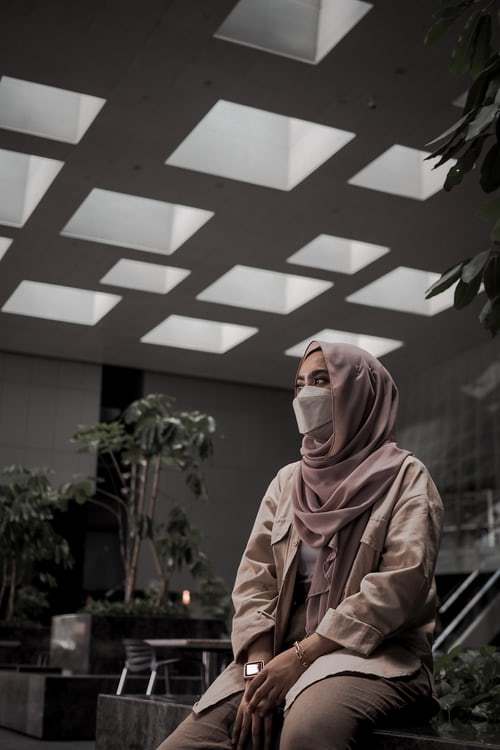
<point>141,657</point>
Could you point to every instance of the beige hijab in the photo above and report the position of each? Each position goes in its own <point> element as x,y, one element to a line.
<point>340,479</point>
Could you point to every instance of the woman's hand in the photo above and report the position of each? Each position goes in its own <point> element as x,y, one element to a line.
<point>269,687</point>
<point>258,723</point>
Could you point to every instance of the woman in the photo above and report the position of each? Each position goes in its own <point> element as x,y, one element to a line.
<point>335,597</point>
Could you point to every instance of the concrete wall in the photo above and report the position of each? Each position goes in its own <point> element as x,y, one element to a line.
<point>41,403</point>
<point>256,435</point>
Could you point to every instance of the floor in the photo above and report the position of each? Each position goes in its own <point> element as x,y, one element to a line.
<point>16,741</point>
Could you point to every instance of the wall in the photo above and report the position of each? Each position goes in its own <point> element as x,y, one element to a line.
<point>450,417</point>
<point>256,435</point>
<point>41,403</point>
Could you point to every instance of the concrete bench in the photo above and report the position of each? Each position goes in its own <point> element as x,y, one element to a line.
<point>141,723</point>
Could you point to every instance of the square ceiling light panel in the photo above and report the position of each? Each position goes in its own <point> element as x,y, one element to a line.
<point>131,221</point>
<point>374,344</point>
<point>24,180</point>
<point>260,289</point>
<point>196,333</point>
<point>5,243</point>
<point>256,146</point>
<point>403,289</point>
<point>64,303</point>
<point>402,171</point>
<point>337,254</point>
<point>306,31</point>
<point>145,277</point>
<point>46,111</point>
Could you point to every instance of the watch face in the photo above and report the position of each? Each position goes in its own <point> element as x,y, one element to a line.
<point>252,668</point>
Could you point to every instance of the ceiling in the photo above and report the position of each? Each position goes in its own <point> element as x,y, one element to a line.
<point>160,70</point>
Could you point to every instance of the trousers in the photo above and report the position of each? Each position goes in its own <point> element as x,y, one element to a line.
<point>335,713</point>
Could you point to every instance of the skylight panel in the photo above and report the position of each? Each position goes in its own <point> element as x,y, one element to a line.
<point>340,254</point>
<point>402,171</point>
<point>256,146</point>
<point>46,111</point>
<point>403,289</point>
<point>132,221</point>
<point>376,345</point>
<point>198,334</point>
<point>260,289</point>
<point>145,277</point>
<point>24,180</point>
<point>5,243</point>
<point>306,31</point>
<point>62,303</point>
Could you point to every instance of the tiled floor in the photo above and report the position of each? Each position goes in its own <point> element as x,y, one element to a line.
<point>16,741</point>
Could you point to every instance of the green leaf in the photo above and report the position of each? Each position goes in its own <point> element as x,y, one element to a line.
<point>491,276</point>
<point>474,266</point>
<point>465,293</point>
<point>490,210</point>
<point>495,232</point>
<point>484,117</point>
<point>458,125</point>
<point>446,279</point>
<point>481,45</point>
<point>490,169</point>
<point>437,30</point>
<point>462,54</point>
<point>466,162</point>
<point>490,315</point>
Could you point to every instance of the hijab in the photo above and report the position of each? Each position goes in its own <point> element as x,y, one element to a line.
<point>339,479</point>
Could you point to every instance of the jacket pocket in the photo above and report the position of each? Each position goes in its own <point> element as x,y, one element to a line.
<point>375,532</point>
<point>281,527</point>
<point>280,538</point>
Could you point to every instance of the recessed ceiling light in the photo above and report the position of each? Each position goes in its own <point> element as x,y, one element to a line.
<point>260,289</point>
<point>256,146</point>
<point>24,180</point>
<point>403,289</point>
<point>198,334</point>
<point>374,344</point>
<point>306,31</point>
<point>146,277</point>
<point>131,221</point>
<point>402,171</point>
<point>46,111</point>
<point>337,254</point>
<point>5,243</point>
<point>63,303</point>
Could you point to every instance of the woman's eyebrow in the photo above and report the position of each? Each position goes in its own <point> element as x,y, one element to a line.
<point>314,372</point>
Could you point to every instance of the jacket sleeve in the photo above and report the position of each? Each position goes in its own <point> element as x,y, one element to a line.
<point>390,597</point>
<point>255,591</point>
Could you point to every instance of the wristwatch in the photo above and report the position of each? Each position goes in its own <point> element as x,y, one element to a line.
<point>251,668</point>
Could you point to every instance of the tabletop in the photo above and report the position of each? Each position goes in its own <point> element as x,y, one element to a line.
<point>204,644</point>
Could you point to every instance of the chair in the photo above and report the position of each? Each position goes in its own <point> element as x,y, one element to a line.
<point>141,657</point>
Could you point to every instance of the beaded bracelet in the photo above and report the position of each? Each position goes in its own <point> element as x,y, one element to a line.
<point>301,655</point>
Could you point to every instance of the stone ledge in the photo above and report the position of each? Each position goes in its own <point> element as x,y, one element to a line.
<point>54,706</point>
<point>140,723</point>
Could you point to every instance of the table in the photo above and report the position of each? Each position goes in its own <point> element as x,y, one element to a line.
<point>209,647</point>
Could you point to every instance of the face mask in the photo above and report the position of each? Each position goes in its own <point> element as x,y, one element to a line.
<point>313,409</point>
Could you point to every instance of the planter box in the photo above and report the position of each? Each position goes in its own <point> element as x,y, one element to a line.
<point>131,722</point>
<point>34,640</point>
<point>57,707</point>
<point>92,644</point>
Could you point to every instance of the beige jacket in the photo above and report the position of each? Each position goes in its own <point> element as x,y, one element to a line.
<point>385,622</point>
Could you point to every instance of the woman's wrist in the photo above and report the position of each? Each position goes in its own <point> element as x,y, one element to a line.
<point>315,645</point>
